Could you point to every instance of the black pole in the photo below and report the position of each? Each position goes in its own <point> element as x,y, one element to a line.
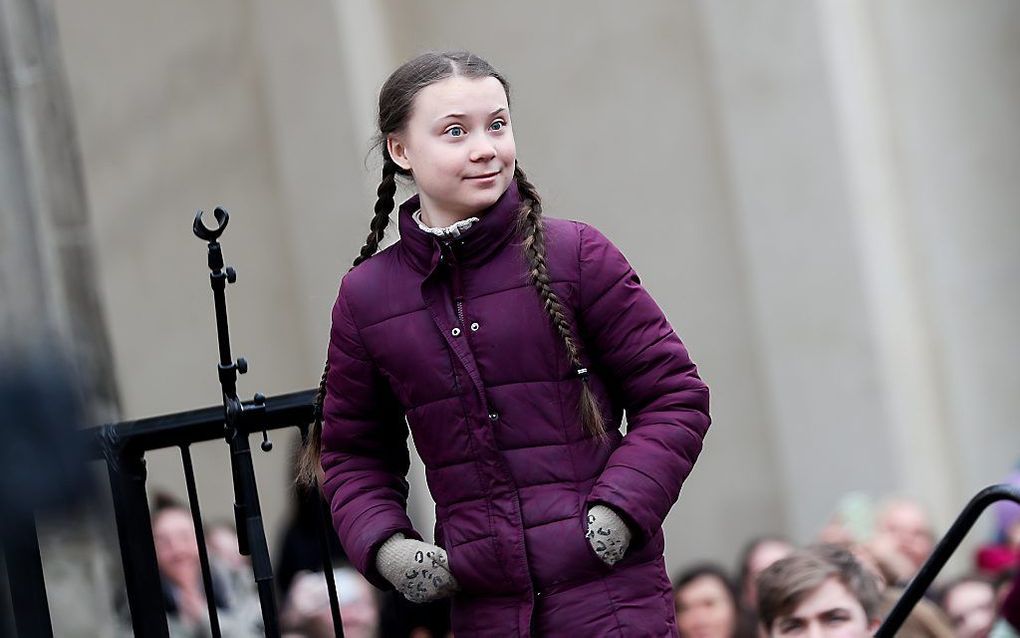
<point>931,568</point>
<point>126,468</point>
<point>325,527</point>
<point>24,570</point>
<point>251,534</point>
<point>203,552</point>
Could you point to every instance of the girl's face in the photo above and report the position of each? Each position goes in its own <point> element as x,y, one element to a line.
<point>458,145</point>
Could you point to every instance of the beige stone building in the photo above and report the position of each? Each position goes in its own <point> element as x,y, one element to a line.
<point>822,195</point>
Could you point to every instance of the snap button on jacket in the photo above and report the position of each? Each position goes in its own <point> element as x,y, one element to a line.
<point>494,416</point>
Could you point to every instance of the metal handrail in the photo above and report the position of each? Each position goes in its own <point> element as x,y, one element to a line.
<point>940,555</point>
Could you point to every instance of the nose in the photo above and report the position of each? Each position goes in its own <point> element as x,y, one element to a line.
<point>483,149</point>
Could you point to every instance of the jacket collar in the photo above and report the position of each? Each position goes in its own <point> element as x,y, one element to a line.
<point>484,238</point>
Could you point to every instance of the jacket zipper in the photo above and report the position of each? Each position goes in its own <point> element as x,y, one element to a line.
<point>458,295</point>
<point>458,302</point>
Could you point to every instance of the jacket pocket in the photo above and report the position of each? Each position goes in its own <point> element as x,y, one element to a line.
<point>560,555</point>
<point>477,568</point>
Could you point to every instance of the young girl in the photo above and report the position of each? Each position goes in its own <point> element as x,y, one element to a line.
<point>512,343</point>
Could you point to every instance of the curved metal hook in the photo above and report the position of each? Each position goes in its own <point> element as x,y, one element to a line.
<point>210,234</point>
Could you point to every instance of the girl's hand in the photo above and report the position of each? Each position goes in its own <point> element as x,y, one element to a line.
<point>608,534</point>
<point>418,570</point>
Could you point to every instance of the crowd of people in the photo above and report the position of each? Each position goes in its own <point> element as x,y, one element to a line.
<point>844,585</point>
<point>849,579</point>
<point>304,607</point>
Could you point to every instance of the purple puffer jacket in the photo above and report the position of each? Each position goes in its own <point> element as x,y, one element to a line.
<point>455,338</point>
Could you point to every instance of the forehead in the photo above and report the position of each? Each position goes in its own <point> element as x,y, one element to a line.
<point>767,553</point>
<point>460,95</point>
<point>968,594</point>
<point>173,520</point>
<point>830,595</point>
<point>702,588</point>
<point>904,513</point>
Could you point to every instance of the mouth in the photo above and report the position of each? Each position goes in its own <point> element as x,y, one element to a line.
<point>483,176</point>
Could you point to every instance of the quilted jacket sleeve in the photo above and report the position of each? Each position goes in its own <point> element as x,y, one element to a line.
<point>364,449</point>
<point>636,350</point>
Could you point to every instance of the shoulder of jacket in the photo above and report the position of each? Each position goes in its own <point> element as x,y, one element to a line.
<point>577,242</point>
<point>583,235</point>
<point>568,230</point>
<point>361,285</point>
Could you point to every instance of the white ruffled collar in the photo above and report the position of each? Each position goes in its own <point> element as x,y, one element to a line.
<point>454,230</point>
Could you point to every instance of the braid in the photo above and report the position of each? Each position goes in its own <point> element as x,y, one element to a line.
<point>383,207</point>
<point>309,469</point>
<point>531,227</point>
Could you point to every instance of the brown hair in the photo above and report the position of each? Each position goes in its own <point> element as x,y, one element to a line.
<point>787,582</point>
<point>396,101</point>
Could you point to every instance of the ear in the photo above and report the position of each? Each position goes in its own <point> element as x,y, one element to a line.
<point>874,625</point>
<point>398,152</point>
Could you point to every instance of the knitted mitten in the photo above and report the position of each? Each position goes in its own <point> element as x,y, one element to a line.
<point>418,570</point>
<point>608,534</point>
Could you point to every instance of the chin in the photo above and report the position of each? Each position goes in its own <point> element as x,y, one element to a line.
<point>483,198</point>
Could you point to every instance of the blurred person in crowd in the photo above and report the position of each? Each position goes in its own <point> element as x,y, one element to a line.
<point>757,555</point>
<point>904,537</point>
<point>221,539</point>
<point>224,551</point>
<point>896,538</point>
<point>306,612</point>
<point>706,604</point>
<point>180,570</point>
<point>822,591</point>
<point>300,547</point>
<point>970,603</point>
<point>1008,624</point>
<point>1003,553</point>
<point>41,408</point>
<point>925,620</point>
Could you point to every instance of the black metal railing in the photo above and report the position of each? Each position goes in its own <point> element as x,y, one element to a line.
<point>123,447</point>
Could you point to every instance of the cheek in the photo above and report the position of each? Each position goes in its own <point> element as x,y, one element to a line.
<point>432,159</point>
<point>507,151</point>
<point>437,175</point>
<point>439,161</point>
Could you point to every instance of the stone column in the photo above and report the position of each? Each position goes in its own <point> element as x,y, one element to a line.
<point>47,273</point>
<point>48,287</point>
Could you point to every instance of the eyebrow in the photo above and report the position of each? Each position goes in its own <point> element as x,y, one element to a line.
<point>496,112</point>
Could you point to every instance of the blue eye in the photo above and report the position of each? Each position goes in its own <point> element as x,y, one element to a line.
<point>497,125</point>
<point>455,131</point>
